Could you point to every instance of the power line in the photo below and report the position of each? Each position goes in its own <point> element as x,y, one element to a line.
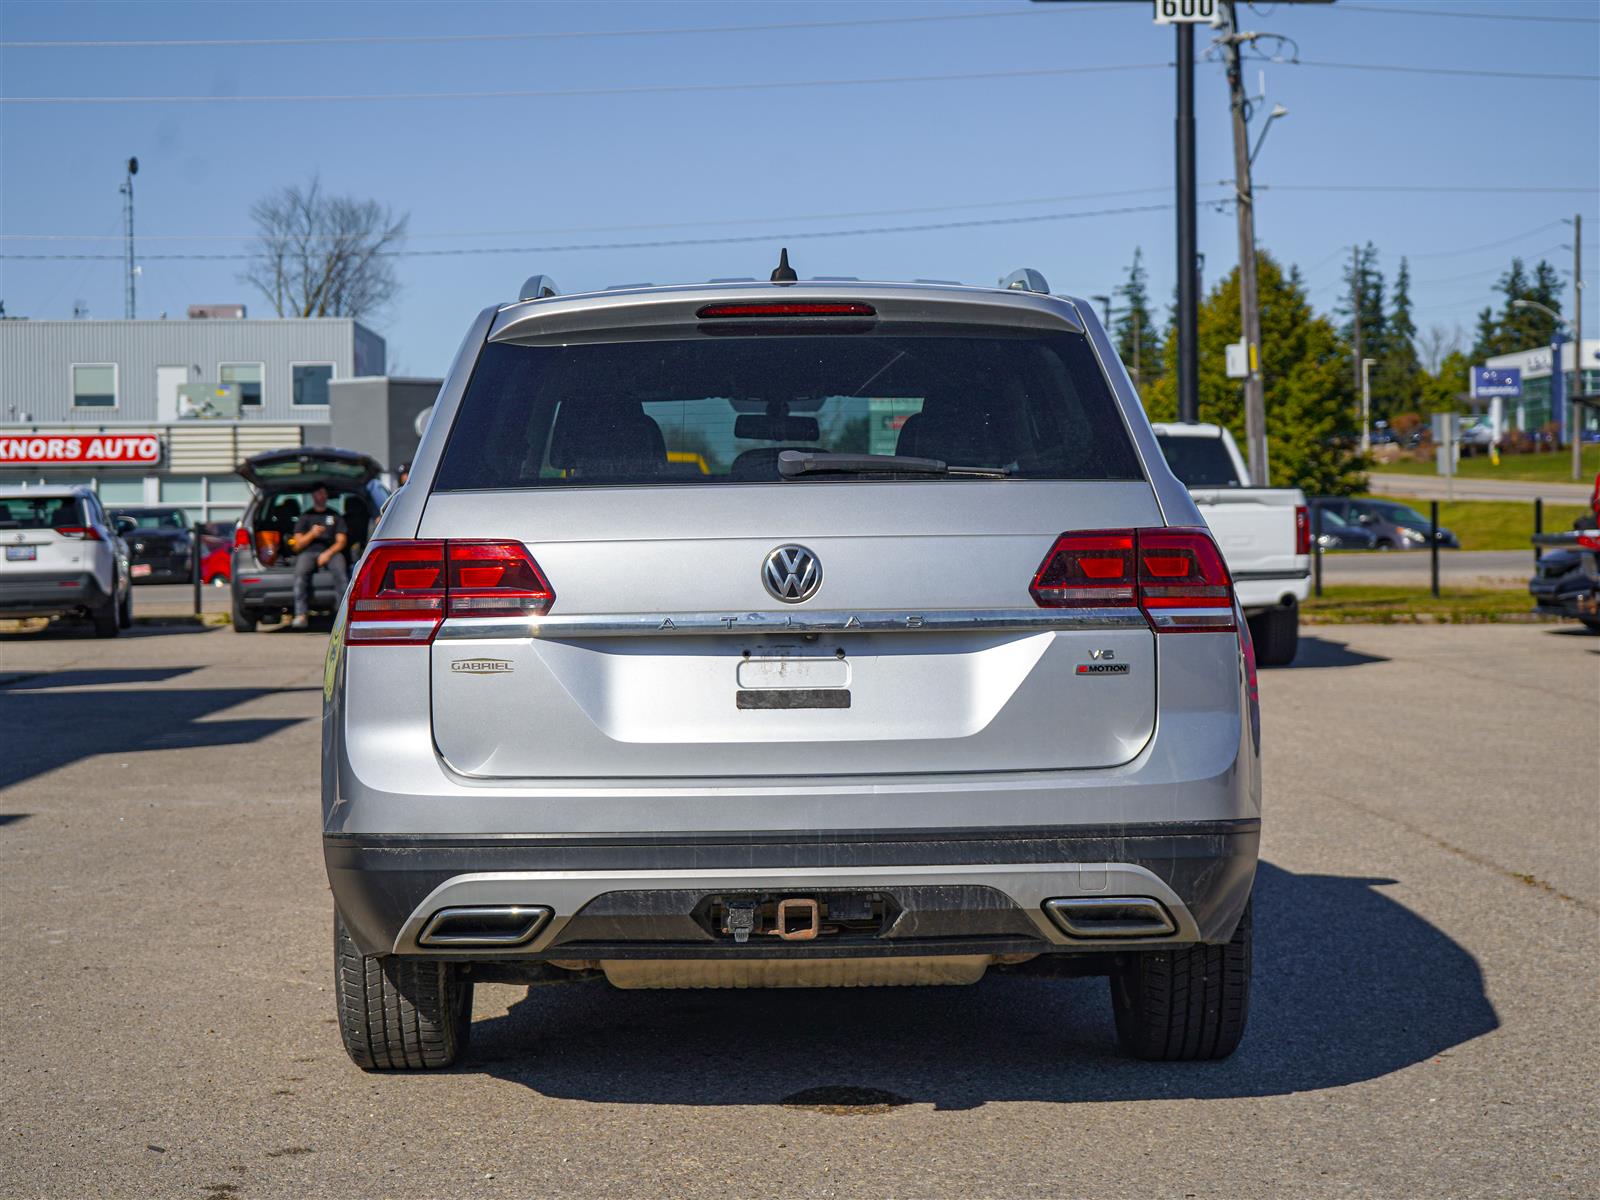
<point>644,245</point>
<point>559,93</point>
<point>835,216</point>
<point>1415,11</point>
<point>764,85</point>
<point>1427,187</point>
<point>1473,72</point>
<point>539,36</point>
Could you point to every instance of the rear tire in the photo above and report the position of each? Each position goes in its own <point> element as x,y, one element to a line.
<point>125,610</point>
<point>243,622</point>
<point>1276,634</point>
<point>108,617</point>
<point>1184,1004</point>
<point>398,1014</point>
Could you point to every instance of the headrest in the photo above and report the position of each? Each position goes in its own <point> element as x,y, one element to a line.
<point>607,437</point>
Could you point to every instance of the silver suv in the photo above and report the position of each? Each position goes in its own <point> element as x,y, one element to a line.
<point>790,634</point>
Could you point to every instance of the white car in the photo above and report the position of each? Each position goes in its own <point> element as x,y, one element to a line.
<point>1264,533</point>
<point>61,556</point>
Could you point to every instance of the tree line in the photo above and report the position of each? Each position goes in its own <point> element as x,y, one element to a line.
<point>1311,362</point>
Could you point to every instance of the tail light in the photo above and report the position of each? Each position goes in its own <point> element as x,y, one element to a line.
<point>1087,570</point>
<point>496,579</point>
<point>1175,576</point>
<point>1589,541</point>
<point>404,590</point>
<point>82,533</point>
<point>1302,529</point>
<point>267,544</point>
<point>241,536</point>
<point>767,308</point>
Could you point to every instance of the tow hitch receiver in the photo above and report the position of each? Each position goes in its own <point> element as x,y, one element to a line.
<point>798,920</point>
<point>824,915</point>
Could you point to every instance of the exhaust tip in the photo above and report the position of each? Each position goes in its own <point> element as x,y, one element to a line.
<point>499,925</point>
<point>1095,917</point>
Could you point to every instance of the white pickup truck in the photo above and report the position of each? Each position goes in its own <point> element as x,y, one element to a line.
<point>1264,533</point>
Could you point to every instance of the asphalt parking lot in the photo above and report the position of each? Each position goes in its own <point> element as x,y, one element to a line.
<point>1428,934</point>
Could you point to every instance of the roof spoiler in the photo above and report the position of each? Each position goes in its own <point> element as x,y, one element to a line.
<point>1025,279</point>
<point>538,287</point>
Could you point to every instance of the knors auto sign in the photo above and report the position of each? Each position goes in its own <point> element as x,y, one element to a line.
<point>80,450</point>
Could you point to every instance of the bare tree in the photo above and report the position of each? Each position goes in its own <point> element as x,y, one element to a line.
<point>1436,344</point>
<point>318,255</point>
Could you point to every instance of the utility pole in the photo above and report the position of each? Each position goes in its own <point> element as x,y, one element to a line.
<point>1355,293</point>
<point>1366,404</point>
<point>1575,421</point>
<point>1255,412</point>
<point>1188,291</point>
<point>129,304</point>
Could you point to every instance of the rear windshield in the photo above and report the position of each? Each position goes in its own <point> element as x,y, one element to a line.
<point>1199,461</point>
<point>154,518</point>
<point>710,410</point>
<point>42,512</point>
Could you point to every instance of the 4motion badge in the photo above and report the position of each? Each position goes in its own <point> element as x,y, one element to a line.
<point>1103,664</point>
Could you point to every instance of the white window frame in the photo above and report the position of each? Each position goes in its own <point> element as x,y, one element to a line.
<point>245,363</point>
<point>116,387</point>
<point>333,373</point>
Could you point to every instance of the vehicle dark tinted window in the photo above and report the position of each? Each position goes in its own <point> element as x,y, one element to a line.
<point>154,518</point>
<point>40,512</point>
<point>1199,461</point>
<point>717,410</point>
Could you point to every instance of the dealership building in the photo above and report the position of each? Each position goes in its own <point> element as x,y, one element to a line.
<point>1531,410</point>
<point>162,411</point>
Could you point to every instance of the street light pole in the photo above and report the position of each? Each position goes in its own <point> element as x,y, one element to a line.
<point>1188,289</point>
<point>1366,405</point>
<point>1560,410</point>
<point>1576,422</point>
<point>130,306</point>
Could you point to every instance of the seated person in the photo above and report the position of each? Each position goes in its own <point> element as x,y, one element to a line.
<point>318,543</point>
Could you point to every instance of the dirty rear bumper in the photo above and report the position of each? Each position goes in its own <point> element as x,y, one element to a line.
<point>956,891</point>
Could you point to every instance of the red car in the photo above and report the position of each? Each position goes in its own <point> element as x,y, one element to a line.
<point>216,568</point>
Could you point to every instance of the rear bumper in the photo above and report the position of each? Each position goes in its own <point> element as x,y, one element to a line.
<point>173,569</point>
<point>265,589</point>
<point>1261,590</point>
<point>954,892</point>
<point>49,593</point>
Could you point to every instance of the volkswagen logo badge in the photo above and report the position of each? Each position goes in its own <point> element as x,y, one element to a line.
<point>792,574</point>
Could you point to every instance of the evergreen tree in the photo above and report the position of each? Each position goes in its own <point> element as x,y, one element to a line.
<point>1309,397</point>
<point>1364,294</point>
<point>1397,384</point>
<point>1519,328</point>
<point>1137,335</point>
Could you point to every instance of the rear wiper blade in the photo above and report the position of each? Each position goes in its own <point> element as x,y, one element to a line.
<point>793,463</point>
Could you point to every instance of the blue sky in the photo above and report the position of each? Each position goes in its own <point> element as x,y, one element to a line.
<point>569,170</point>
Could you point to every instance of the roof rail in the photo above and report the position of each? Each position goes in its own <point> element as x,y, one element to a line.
<point>1025,280</point>
<point>538,287</point>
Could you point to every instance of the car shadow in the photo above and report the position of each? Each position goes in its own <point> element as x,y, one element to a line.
<point>45,680</point>
<point>12,818</point>
<point>1349,986</point>
<point>1320,652</point>
<point>142,627</point>
<point>48,729</point>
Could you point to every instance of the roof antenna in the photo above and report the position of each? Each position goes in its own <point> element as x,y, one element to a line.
<point>783,272</point>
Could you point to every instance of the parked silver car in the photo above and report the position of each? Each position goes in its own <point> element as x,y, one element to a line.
<point>790,634</point>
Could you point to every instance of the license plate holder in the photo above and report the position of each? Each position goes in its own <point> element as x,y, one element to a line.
<point>139,570</point>
<point>22,553</point>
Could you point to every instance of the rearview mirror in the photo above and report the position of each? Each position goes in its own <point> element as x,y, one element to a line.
<point>754,427</point>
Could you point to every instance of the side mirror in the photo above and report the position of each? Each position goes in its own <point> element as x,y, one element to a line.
<point>125,524</point>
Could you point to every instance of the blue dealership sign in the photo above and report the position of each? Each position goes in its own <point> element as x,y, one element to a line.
<point>1496,381</point>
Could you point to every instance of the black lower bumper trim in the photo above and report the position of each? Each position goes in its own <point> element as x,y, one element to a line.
<point>379,881</point>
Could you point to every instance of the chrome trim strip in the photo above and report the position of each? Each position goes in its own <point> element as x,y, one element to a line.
<point>700,624</point>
